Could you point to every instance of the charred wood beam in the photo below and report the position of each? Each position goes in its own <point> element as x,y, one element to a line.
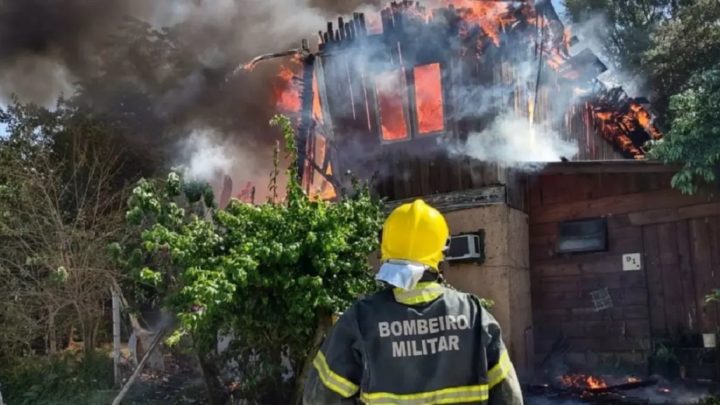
<point>306,118</point>
<point>624,387</point>
<point>459,200</point>
<point>254,61</point>
<point>339,189</point>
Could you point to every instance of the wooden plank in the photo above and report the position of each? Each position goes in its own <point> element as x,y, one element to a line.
<point>578,299</point>
<point>614,166</point>
<point>687,277</point>
<point>672,285</point>
<point>550,228</point>
<point>534,193</point>
<point>579,265</point>
<point>654,216</point>
<point>675,214</point>
<point>621,204</point>
<point>714,229</point>
<point>588,283</point>
<point>653,272</point>
<point>635,312</point>
<point>625,240</point>
<point>605,345</point>
<point>459,199</point>
<point>424,175</point>
<point>701,210</point>
<point>702,267</point>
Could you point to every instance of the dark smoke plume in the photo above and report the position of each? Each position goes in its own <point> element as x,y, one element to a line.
<point>160,68</point>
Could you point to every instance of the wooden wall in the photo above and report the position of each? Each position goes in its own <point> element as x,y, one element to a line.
<point>678,237</point>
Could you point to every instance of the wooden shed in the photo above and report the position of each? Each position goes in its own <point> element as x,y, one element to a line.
<point>659,263</point>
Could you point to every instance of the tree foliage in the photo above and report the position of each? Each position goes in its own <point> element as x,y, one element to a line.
<point>268,274</point>
<point>683,47</point>
<point>694,140</point>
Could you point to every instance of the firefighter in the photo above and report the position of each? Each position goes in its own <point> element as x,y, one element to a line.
<point>415,342</point>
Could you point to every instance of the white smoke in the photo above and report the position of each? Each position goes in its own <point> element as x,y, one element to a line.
<point>206,158</point>
<point>513,141</point>
<point>208,155</point>
<point>593,34</point>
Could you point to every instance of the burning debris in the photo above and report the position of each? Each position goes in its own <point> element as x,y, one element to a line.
<point>582,388</point>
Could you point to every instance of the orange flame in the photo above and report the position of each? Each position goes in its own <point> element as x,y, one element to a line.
<point>644,119</point>
<point>317,108</point>
<point>583,381</point>
<point>392,95</point>
<point>595,383</point>
<point>489,16</point>
<point>320,188</point>
<point>567,37</point>
<point>428,94</point>
<point>286,92</point>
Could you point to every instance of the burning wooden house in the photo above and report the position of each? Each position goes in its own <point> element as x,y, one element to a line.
<point>454,103</point>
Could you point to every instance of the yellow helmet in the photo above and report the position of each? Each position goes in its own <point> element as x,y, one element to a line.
<point>415,232</point>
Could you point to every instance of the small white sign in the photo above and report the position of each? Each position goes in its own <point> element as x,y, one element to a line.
<point>631,262</point>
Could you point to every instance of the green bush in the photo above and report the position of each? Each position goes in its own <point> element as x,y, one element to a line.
<point>65,378</point>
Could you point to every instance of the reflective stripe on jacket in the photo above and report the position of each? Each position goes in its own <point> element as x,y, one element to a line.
<point>431,345</point>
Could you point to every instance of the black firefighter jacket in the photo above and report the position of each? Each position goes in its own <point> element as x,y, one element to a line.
<point>430,345</point>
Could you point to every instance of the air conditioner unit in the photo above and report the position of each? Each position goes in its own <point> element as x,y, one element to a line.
<point>465,247</point>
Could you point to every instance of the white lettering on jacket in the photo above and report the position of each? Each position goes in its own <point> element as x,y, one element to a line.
<point>424,347</point>
<point>408,330</point>
<point>421,326</point>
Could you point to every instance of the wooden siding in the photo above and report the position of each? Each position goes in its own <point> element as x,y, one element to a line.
<point>678,237</point>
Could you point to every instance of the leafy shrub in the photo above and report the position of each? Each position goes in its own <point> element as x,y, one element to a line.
<point>270,273</point>
<point>65,378</point>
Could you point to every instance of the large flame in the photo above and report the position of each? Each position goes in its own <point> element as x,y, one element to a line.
<point>391,92</point>
<point>286,90</point>
<point>317,109</point>
<point>428,98</point>
<point>490,16</point>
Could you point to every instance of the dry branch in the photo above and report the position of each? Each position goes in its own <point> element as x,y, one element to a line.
<point>139,368</point>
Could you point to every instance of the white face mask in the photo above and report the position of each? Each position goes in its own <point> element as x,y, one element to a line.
<point>401,273</point>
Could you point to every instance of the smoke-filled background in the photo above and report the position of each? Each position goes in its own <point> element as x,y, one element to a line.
<point>159,70</point>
